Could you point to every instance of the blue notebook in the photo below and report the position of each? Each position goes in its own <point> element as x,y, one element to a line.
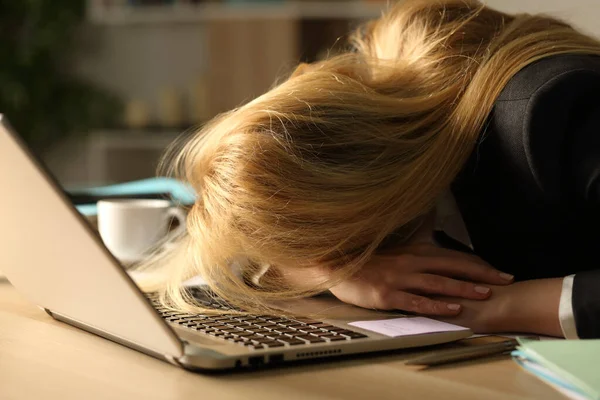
<point>85,199</point>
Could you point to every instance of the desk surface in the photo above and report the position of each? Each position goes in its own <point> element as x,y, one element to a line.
<point>46,359</point>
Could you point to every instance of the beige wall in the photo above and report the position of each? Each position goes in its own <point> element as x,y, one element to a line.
<point>585,14</point>
<point>137,61</point>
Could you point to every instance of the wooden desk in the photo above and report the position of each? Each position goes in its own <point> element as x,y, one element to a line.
<point>44,359</point>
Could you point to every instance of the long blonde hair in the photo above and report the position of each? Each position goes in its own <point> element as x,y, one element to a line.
<point>325,166</point>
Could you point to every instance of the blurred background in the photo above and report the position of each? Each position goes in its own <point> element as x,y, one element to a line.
<point>100,87</point>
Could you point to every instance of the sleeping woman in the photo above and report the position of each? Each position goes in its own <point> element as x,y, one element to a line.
<point>447,164</point>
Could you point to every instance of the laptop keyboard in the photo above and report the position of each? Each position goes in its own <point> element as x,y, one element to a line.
<point>255,331</point>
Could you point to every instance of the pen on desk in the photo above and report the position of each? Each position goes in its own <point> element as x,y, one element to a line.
<point>466,353</point>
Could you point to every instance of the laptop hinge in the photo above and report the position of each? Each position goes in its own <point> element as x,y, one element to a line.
<point>172,360</point>
<point>165,357</point>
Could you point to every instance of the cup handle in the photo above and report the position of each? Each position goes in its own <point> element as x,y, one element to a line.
<point>180,216</point>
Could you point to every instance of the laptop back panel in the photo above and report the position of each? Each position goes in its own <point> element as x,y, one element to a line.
<point>52,256</point>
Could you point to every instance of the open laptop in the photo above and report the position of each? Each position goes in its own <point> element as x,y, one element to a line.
<point>52,255</point>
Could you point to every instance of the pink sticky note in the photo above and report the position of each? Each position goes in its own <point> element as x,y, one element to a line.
<point>407,326</point>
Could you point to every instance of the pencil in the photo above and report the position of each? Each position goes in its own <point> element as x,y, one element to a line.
<point>467,353</point>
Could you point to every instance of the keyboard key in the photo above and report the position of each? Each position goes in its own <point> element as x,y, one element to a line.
<point>190,318</point>
<point>171,314</point>
<point>322,325</point>
<point>220,327</point>
<point>311,339</point>
<point>267,325</point>
<point>297,326</point>
<point>322,334</point>
<point>353,335</point>
<point>286,331</point>
<point>211,324</point>
<point>219,318</point>
<point>224,320</point>
<point>307,321</point>
<point>344,331</point>
<point>292,341</point>
<point>279,320</point>
<point>250,319</point>
<point>190,323</point>
<point>334,338</point>
<point>256,337</point>
<point>195,327</point>
<point>277,336</point>
<point>231,321</point>
<point>311,330</point>
<point>260,331</point>
<point>261,341</point>
<point>243,334</point>
<point>273,343</point>
<point>242,324</point>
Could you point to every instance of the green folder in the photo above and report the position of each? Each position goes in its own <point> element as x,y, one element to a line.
<point>568,364</point>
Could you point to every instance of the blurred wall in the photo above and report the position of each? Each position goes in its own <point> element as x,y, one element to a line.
<point>232,59</point>
<point>139,61</point>
<point>585,14</point>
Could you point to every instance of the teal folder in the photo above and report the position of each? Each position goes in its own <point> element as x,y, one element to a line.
<point>85,198</point>
<point>569,365</point>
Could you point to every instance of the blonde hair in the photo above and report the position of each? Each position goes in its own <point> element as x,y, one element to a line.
<point>348,151</point>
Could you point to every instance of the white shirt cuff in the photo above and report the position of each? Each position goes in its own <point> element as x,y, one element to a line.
<point>565,309</point>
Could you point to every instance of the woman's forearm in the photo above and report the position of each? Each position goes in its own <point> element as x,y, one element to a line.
<point>532,306</point>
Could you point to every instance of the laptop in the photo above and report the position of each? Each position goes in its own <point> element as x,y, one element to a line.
<point>55,258</point>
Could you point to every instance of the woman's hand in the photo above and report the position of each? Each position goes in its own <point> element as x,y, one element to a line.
<point>526,307</point>
<point>409,280</point>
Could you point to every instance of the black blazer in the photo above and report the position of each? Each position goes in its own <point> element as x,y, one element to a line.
<point>530,193</point>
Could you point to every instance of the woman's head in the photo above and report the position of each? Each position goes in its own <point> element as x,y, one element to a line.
<point>327,165</point>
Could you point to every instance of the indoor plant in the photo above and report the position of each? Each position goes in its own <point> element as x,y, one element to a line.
<point>38,94</point>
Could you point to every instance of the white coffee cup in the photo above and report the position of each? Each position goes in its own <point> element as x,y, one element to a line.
<point>130,228</point>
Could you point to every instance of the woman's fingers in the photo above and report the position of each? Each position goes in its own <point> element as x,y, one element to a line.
<point>459,267</point>
<point>405,281</point>
<point>466,269</point>
<point>442,285</point>
<point>399,300</point>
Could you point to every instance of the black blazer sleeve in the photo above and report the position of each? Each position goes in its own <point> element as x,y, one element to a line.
<point>585,174</point>
<point>537,174</point>
<point>567,168</point>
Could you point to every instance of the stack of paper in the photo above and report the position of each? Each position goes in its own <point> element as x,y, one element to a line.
<point>570,366</point>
